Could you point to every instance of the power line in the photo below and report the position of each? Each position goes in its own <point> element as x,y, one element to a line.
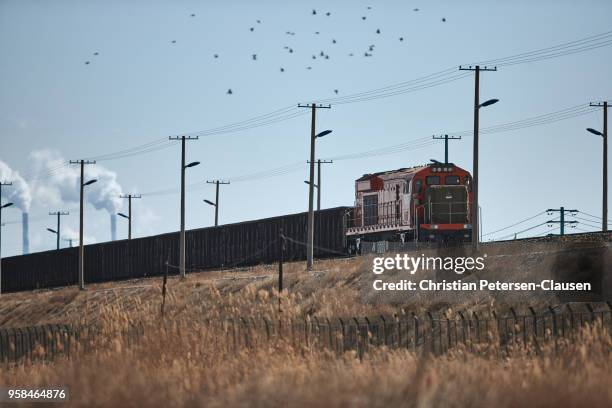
<point>591,215</point>
<point>527,229</point>
<point>515,224</point>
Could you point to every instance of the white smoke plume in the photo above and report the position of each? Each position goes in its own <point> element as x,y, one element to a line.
<point>19,193</point>
<point>60,185</point>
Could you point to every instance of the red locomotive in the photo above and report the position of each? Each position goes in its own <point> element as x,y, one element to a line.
<point>423,203</point>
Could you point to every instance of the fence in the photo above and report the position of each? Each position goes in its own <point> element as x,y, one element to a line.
<point>430,333</point>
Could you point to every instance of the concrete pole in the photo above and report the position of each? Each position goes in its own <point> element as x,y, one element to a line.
<point>182,236</point>
<point>310,240</point>
<point>475,226</point>
<point>81,249</point>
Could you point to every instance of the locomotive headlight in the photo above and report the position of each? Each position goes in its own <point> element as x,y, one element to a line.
<point>465,226</point>
<point>434,226</point>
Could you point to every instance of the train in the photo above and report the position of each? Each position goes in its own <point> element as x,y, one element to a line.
<point>429,202</point>
<point>421,203</point>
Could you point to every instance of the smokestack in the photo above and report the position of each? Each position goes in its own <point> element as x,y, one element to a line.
<point>25,231</point>
<point>113,219</point>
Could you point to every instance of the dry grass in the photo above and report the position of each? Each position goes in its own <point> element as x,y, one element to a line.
<point>184,362</point>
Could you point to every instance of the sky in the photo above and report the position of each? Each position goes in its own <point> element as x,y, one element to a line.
<point>155,75</point>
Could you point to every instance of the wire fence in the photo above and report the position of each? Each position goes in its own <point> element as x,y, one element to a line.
<point>431,333</point>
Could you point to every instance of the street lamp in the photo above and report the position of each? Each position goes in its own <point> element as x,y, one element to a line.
<point>604,135</point>
<point>81,248</point>
<point>308,182</point>
<point>311,185</point>
<point>475,207</point>
<point>182,236</point>
<point>1,208</point>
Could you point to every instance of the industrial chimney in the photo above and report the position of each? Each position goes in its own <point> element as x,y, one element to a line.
<point>113,221</point>
<point>25,231</point>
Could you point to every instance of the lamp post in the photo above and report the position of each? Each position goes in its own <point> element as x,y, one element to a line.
<point>1,208</point>
<point>311,184</point>
<point>604,135</point>
<point>477,106</point>
<point>127,217</point>
<point>81,247</point>
<point>51,230</point>
<point>216,209</point>
<point>182,237</point>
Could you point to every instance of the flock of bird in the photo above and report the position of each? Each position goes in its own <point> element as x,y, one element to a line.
<point>321,55</point>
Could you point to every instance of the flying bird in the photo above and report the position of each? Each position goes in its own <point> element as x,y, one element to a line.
<point>401,38</point>
<point>444,19</point>
<point>327,57</point>
<point>87,62</point>
<point>322,54</point>
<point>252,28</point>
<point>314,12</point>
<point>363,18</point>
<point>290,50</point>
<point>193,15</point>
<point>416,9</point>
<point>96,53</point>
<point>378,31</point>
<point>216,55</point>
<point>173,41</point>
<point>258,21</point>
<point>333,41</point>
<point>254,57</point>
<point>314,57</point>
<point>308,67</point>
<point>336,91</point>
<point>282,69</point>
<point>229,91</point>
<point>328,14</point>
<point>369,7</point>
<point>316,32</point>
<point>351,54</point>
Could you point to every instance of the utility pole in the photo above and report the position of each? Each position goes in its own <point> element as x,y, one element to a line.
<point>183,167</point>
<point>446,139</point>
<point>82,183</point>
<point>319,162</point>
<point>313,136</point>
<point>604,210</point>
<point>2,183</point>
<point>477,105</point>
<point>59,214</point>
<point>216,203</point>
<point>561,220</point>
<point>129,217</point>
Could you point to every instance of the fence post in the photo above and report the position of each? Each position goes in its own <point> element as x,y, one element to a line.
<point>535,329</point>
<point>592,312</point>
<point>329,332</point>
<point>416,331</point>
<point>342,335</point>
<point>384,325</point>
<point>475,314</point>
<point>357,337</point>
<point>433,333</point>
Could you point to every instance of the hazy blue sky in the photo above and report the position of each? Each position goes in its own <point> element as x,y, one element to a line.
<point>142,87</point>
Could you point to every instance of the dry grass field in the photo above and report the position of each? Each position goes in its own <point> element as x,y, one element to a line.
<point>183,360</point>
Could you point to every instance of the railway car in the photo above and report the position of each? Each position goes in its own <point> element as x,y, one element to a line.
<point>422,203</point>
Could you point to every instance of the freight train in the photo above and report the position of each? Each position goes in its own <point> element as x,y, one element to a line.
<point>422,203</point>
